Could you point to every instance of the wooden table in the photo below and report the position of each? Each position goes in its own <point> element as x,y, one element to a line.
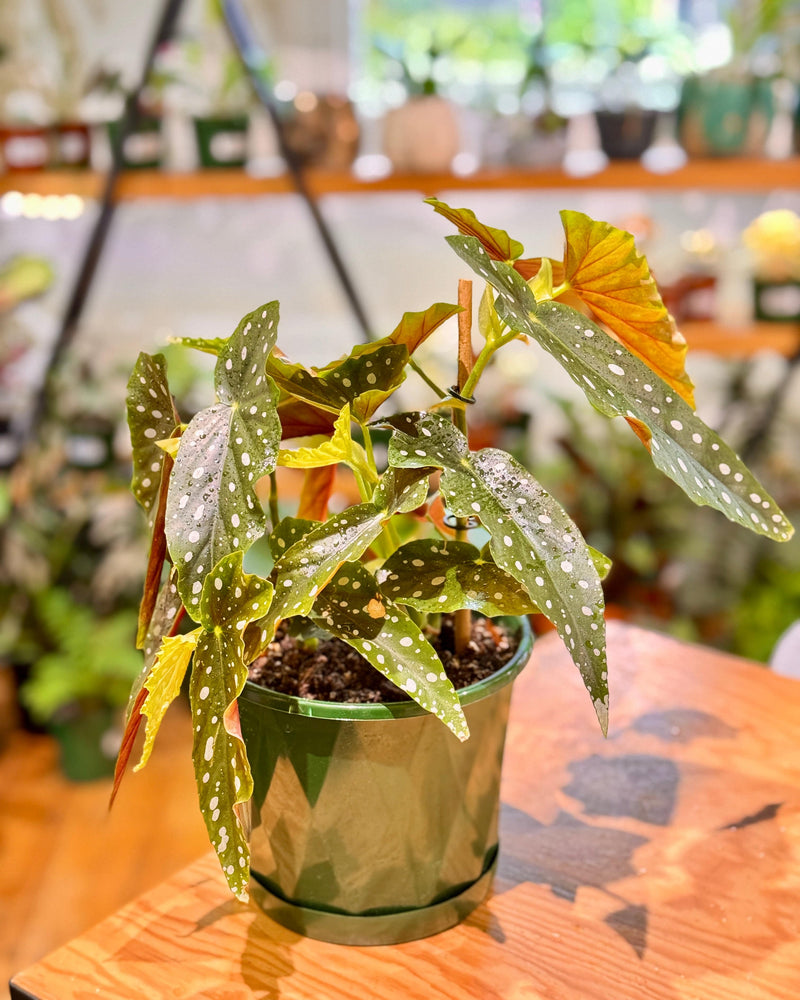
<point>661,864</point>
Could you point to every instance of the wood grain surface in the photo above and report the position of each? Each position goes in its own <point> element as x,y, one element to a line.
<point>660,864</point>
<point>65,861</point>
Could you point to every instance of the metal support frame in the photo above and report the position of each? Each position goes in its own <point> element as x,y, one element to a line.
<point>255,62</point>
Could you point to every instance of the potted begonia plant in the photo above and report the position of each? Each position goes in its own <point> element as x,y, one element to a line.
<point>377,821</point>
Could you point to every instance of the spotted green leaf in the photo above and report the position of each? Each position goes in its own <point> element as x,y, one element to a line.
<point>288,531</point>
<point>618,384</point>
<point>151,417</point>
<point>308,566</point>
<point>353,608</point>
<point>163,684</point>
<point>375,367</point>
<point>366,377</point>
<point>532,537</point>
<point>408,497</point>
<point>212,345</point>
<point>212,509</point>
<point>433,576</point>
<point>230,600</point>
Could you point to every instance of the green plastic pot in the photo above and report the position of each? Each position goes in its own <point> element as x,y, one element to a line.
<point>718,116</point>
<point>372,824</point>
<point>777,301</point>
<point>143,148</point>
<point>222,140</point>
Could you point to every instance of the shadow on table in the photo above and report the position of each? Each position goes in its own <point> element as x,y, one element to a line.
<point>722,885</point>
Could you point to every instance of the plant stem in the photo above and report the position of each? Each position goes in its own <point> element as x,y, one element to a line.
<point>368,446</point>
<point>462,619</point>
<point>483,359</point>
<point>364,491</point>
<point>273,500</point>
<point>425,378</point>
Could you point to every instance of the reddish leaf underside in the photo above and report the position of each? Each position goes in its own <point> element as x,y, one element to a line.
<point>128,740</point>
<point>156,557</point>
<point>316,492</point>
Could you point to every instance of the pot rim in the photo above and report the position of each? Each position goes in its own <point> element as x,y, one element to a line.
<point>367,711</point>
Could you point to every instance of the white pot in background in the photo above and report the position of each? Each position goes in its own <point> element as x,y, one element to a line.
<point>422,136</point>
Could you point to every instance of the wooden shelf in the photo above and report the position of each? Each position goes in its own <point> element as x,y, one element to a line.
<point>719,175</point>
<point>741,342</point>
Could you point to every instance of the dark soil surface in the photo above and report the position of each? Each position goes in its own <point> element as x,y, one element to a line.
<point>334,671</point>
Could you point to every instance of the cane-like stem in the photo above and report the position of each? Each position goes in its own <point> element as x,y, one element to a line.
<point>462,620</point>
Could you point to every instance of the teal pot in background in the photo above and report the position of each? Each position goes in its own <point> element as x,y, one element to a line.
<point>88,741</point>
<point>725,116</point>
<point>222,140</point>
<point>371,823</point>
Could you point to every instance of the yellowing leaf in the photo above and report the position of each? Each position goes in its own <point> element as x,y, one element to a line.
<point>170,446</point>
<point>415,327</point>
<point>496,242</point>
<point>604,270</point>
<point>323,451</point>
<point>164,684</point>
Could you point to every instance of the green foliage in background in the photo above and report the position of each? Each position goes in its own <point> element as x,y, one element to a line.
<point>91,661</point>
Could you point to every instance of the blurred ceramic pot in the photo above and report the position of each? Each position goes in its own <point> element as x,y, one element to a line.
<point>422,135</point>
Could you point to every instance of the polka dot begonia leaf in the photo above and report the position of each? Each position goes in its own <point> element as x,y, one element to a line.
<point>288,531</point>
<point>396,492</point>
<point>437,576</point>
<point>230,600</point>
<point>617,383</point>
<point>370,368</point>
<point>151,418</point>
<point>212,509</point>
<point>532,538</point>
<point>306,568</point>
<point>353,608</point>
<point>364,379</point>
<point>602,268</point>
<point>211,345</point>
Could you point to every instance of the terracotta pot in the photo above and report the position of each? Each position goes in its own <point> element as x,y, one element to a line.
<point>24,147</point>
